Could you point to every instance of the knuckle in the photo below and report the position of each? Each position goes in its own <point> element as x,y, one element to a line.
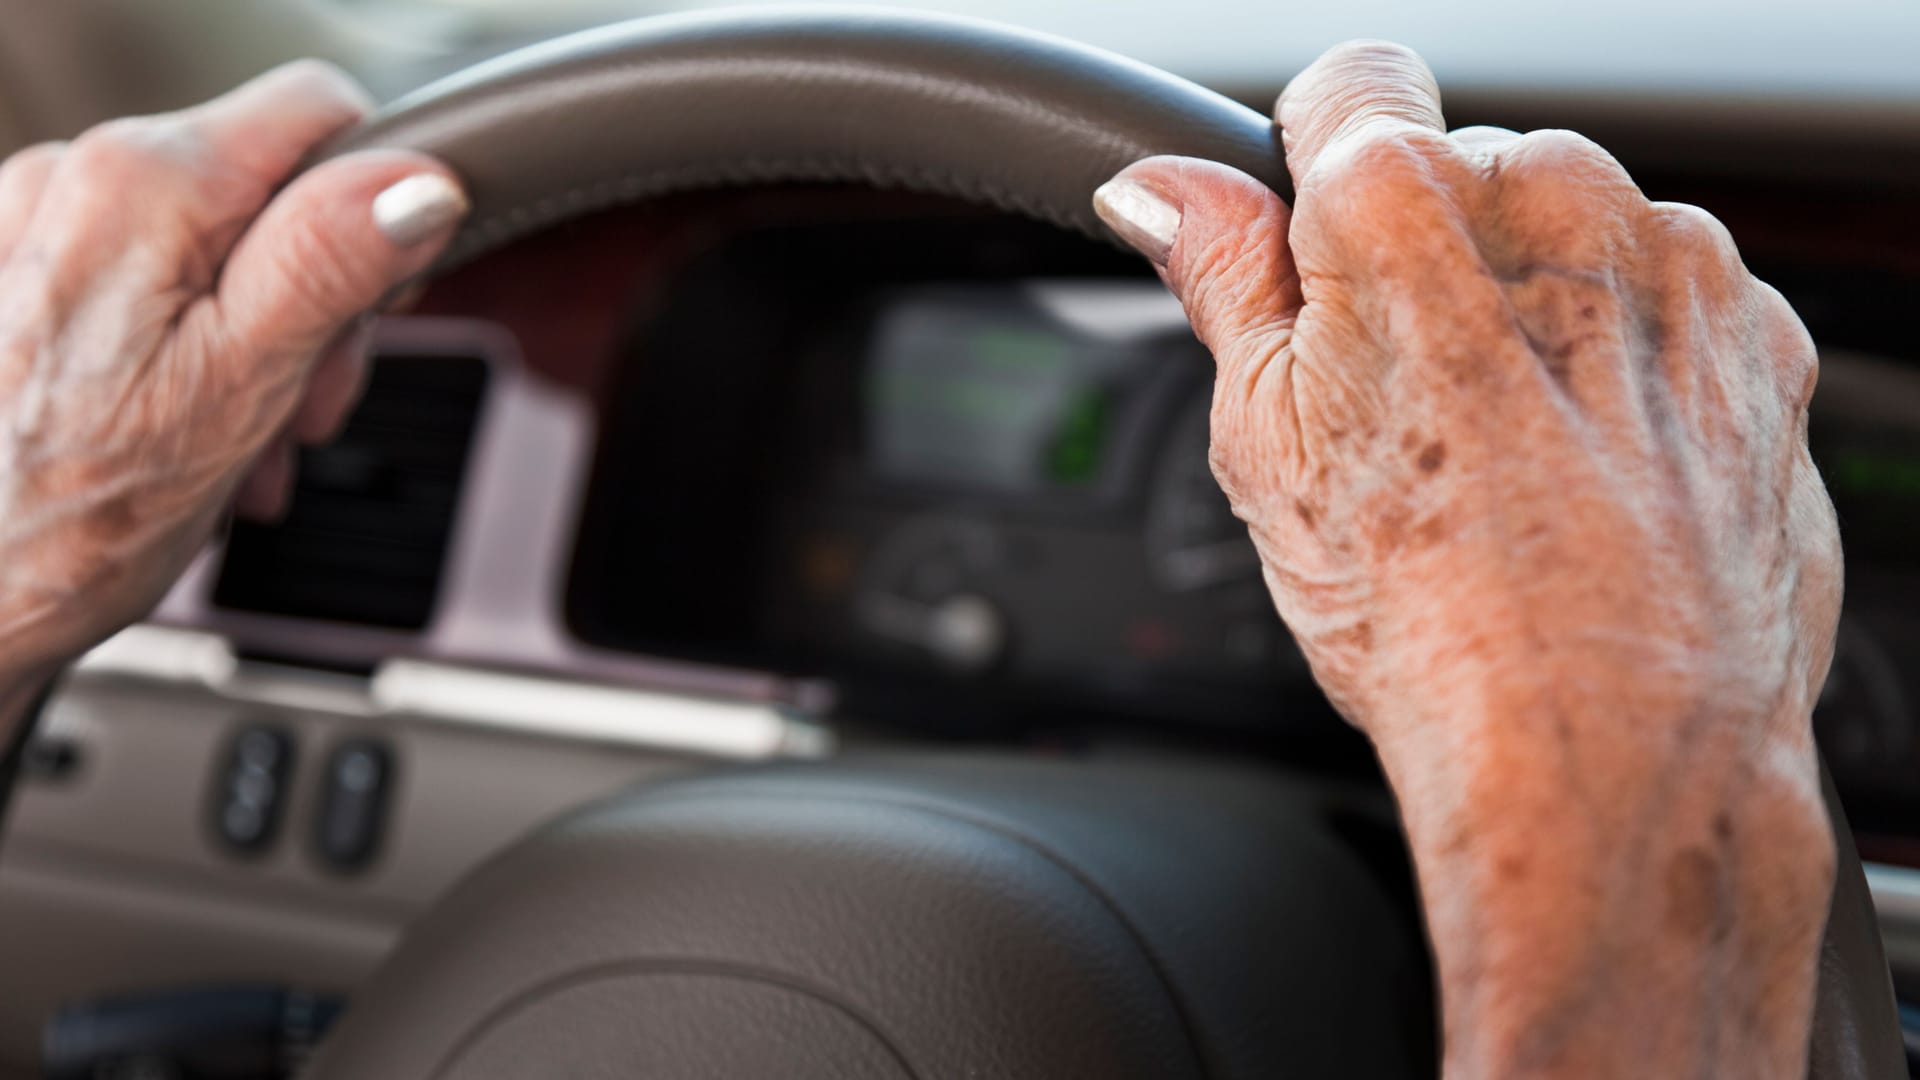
<point>1570,162</point>
<point>314,72</point>
<point>37,158</point>
<point>1483,131</point>
<point>1694,230</point>
<point>1387,194</point>
<point>314,79</point>
<point>120,153</point>
<point>1383,154</point>
<point>1373,64</point>
<point>1565,149</point>
<point>113,141</point>
<point>1795,353</point>
<point>1365,76</point>
<point>1483,140</point>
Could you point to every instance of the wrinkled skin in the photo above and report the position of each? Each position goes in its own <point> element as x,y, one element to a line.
<point>171,323</point>
<point>1524,455</point>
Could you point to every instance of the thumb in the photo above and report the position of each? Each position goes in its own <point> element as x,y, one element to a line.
<point>1219,238</point>
<point>328,248</point>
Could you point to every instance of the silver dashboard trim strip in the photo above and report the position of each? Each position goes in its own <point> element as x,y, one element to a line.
<point>1896,893</point>
<point>164,655</point>
<point>563,709</point>
<point>1896,899</point>
<point>532,705</point>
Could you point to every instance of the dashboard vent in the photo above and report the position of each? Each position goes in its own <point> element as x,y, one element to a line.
<point>365,538</point>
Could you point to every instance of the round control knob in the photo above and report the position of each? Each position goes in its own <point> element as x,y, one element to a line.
<point>966,631</point>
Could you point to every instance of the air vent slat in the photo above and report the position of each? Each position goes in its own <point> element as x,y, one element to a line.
<point>365,538</point>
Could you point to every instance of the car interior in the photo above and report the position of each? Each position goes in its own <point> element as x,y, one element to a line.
<point>772,614</point>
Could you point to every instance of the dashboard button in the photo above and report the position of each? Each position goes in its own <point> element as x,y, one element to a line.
<point>252,787</point>
<point>353,804</point>
<point>52,759</point>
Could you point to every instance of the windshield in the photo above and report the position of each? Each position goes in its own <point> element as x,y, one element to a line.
<point>1840,48</point>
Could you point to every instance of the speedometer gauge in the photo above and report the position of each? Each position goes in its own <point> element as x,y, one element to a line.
<point>1193,539</point>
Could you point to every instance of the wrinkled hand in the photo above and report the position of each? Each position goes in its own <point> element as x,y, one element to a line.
<point>171,321</point>
<point>1525,458</point>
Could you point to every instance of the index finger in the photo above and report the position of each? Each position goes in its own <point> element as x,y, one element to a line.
<point>1352,89</point>
<point>268,125</point>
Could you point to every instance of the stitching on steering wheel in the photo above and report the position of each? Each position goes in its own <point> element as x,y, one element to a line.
<point>518,221</point>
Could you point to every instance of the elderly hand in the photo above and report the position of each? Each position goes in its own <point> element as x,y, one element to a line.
<point>1525,458</point>
<point>171,318</point>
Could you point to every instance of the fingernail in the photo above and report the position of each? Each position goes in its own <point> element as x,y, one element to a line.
<point>418,207</point>
<point>1142,216</point>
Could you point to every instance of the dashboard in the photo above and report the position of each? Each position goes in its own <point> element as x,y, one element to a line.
<point>901,463</point>
<point>966,498</point>
<point>902,466</point>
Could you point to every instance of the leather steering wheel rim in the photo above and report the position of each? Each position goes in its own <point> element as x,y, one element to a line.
<point>1017,120</point>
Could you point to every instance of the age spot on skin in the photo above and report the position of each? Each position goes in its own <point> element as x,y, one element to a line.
<point>1391,530</point>
<point>1306,512</point>
<point>1359,636</point>
<point>1559,363</point>
<point>1432,457</point>
<point>116,513</point>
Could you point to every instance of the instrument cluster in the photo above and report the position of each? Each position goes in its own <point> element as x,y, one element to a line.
<point>957,468</point>
<point>940,486</point>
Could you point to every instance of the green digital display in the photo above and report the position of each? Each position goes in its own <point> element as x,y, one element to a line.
<point>1873,475</point>
<point>1075,459</point>
<point>971,387</point>
<point>1869,472</point>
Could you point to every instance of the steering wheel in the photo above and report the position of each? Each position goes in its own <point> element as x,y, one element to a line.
<point>835,920</point>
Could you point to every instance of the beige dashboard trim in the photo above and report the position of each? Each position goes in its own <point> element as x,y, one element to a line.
<point>114,880</point>
<point>710,727</point>
<point>552,707</point>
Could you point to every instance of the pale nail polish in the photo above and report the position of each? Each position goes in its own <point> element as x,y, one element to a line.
<point>418,207</point>
<point>1142,216</point>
